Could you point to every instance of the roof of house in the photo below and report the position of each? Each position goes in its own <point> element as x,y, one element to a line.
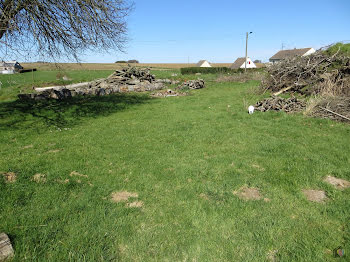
<point>202,62</point>
<point>8,64</point>
<point>238,63</point>
<point>289,53</point>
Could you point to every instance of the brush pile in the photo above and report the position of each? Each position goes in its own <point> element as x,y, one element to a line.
<point>276,103</point>
<point>335,108</point>
<point>319,73</point>
<point>324,74</point>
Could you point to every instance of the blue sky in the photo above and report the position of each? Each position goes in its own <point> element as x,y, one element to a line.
<point>175,31</point>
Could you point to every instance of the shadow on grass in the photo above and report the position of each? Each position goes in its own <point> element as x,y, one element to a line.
<point>53,113</point>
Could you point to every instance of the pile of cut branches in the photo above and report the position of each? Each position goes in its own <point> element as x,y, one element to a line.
<point>320,73</point>
<point>324,74</point>
<point>276,103</point>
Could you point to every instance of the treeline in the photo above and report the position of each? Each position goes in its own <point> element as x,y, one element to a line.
<point>129,61</point>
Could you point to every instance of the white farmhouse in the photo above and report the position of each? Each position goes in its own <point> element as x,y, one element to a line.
<point>240,63</point>
<point>9,67</point>
<point>203,63</point>
<point>284,54</point>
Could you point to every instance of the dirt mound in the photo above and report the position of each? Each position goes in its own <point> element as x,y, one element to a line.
<point>337,182</point>
<point>10,177</point>
<point>122,196</point>
<point>247,193</point>
<point>39,178</point>
<point>315,195</point>
<point>135,204</point>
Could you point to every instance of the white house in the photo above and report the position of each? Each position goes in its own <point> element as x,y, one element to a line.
<point>203,63</point>
<point>283,54</point>
<point>9,67</point>
<point>240,63</point>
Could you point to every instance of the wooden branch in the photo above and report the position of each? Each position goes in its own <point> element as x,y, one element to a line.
<point>283,90</point>
<point>330,111</point>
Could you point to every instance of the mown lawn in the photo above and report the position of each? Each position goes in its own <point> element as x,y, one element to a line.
<point>184,157</point>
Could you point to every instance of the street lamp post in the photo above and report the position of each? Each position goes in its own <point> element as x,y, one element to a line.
<point>246,52</point>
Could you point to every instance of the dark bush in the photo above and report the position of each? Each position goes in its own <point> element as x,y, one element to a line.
<point>121,62</point>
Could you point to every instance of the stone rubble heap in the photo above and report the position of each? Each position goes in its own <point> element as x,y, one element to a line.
<point>167,93</point>
<point>192,84</point>
<point>277,103</point>
<point>129,79</point>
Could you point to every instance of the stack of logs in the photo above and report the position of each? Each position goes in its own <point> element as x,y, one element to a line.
<point>276,103</point>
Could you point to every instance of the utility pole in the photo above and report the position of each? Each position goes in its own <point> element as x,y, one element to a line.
<point>246,52</point>
<point>282,46</point>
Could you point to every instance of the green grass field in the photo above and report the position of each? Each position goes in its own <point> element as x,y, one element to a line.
<point>184,157</point>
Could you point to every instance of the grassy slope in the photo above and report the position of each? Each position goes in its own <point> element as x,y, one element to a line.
<point>171,151</point>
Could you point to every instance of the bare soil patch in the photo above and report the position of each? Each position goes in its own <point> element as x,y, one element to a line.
<point>39,178</point>
<point>54,151</point>
<point>66,181</point>
<point>258,167</point>
<point>247,193</point>
<point>318,196</point>
<point>137,204</point>
<point>28,146</point>
<point>122,196</point>
<point>204,196</point>
<point>337,182</point>
<point>10,177</point>
<point>272,255</point>
<point>75,173</point>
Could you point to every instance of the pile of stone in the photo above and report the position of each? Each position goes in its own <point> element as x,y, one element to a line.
<point>129,79</point>
<point>168,81</point>
<point>192,84</point>
<point>167,93</point>
<point>276,103</point>
<point>131,75</point>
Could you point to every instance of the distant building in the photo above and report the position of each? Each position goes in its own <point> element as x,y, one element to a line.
<point>284,54</point>
<point>10,67</point>
<point>203,63</point>
<point>240,63</point>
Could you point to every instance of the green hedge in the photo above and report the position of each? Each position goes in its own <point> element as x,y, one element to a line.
<point>204,70</point>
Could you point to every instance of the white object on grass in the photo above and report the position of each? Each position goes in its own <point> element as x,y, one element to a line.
<point>251,110</point>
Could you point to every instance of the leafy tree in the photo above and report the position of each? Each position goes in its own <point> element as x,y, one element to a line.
<point>62,28</point>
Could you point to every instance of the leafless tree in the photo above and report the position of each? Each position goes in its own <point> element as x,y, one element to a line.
<point>62,28</point>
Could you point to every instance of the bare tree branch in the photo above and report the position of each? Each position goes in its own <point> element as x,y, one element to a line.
<point>63,28</point>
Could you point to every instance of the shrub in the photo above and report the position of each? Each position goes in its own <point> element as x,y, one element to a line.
<point>121,62</point>
<point>344,49</point>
